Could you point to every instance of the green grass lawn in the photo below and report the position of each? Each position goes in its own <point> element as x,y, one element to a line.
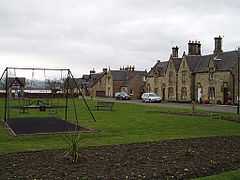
<point>231,175</point>
<point>127,123</point>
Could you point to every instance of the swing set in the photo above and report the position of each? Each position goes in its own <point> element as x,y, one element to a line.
<point>36,97</point>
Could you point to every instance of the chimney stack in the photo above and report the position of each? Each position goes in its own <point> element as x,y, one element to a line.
<point>105,70</point>
<point>133,68</point>
<point>194,48</point>
<point>190,48</point>
<point>197,45</point>
<point>175,52</point>
<point>92,71</point>
<point>218,45</point>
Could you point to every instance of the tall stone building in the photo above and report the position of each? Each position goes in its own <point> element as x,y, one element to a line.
<point>208,78</point>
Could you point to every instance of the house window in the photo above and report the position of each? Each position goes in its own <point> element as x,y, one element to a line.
<point>155,80</point>
<point>170,93</point>
<point>148,88</point>
<point>183,64</point>
<point>109,78</point>
<point>144,78</point>
<point>184,93</point>
<point>156,90</point>
<point>211,71</point>
<point>184,74</point>
<point>211,93</point>
<point>170,79</point>
<point>109,91</point>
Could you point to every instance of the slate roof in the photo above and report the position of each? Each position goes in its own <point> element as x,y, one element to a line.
<point>94,78</point>
<point>124,75</point>
<point>119,75</point>
<point>160,67</point>
<point>201,64</point>
<point>140,73</point>
<point>223,62</point>
<point>226,60</point>
<point>177,62</point>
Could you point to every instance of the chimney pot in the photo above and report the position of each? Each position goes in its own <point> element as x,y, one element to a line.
<point>104,70</point>
<point>175,52</point>
<point>92,71</point>
<point>218,45</point>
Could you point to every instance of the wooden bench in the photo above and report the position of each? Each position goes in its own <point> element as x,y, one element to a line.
<point>104,105</point>
<point>215,116</point>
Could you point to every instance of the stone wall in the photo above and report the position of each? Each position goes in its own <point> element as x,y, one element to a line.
<point>184,86</point>
<point>171,82</point>
<point>222,83</point>
<point>99,86</point>
<point>109,85</point>
<point>136,86</point>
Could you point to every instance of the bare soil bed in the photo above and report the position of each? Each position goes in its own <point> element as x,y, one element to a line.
<point>169,159</point>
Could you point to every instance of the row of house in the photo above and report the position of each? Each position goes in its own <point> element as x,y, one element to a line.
<point>108,82</point>
<point>210,78</point>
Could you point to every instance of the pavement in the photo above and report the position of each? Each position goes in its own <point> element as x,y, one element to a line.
<point>205,107</point>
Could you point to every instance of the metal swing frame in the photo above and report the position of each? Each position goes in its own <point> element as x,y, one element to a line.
<point>67,95</point>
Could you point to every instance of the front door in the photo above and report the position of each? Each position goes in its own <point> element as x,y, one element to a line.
<point>225,95</point>
<point>163,94</point>
<point>199,95</point>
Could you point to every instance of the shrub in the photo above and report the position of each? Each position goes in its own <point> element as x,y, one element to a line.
<point>73,146</point>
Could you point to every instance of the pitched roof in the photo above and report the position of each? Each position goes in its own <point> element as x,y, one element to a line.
<point>223,62</point>
<point>159,67</point>
<point>95,77</point>
<point>226,60</point>
<point>119,75</point>
<point>192,61</point>
<point>124,75</point>
<point>177,62</point>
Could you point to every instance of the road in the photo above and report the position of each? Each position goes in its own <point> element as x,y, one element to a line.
<point>206,107</point>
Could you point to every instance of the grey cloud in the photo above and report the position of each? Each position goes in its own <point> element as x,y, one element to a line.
<point>82,35</point>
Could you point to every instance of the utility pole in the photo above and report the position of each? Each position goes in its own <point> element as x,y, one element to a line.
<point>238,50</point>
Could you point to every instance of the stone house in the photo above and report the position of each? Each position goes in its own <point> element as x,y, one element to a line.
<point>109,82</point>
<point>203,78</point>
<point>97,84</point>
<point>155,80</point>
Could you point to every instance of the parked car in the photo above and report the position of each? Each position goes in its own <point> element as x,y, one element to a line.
<point>122,96</point>
<point>151,97</point>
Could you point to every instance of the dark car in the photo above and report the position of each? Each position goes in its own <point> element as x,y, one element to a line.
<point>121,96</point>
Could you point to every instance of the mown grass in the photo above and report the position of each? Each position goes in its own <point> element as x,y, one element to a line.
<point>127,123</point>
<point>231,175</point>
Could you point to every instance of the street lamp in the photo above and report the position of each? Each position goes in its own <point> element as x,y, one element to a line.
<point>238,52</point>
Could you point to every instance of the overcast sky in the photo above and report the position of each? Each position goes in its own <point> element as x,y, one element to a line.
<point>82,35</point>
